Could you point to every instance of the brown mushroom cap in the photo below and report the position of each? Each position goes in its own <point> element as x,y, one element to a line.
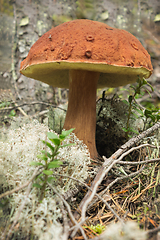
<point>87,45</point>
<point>82,55</point>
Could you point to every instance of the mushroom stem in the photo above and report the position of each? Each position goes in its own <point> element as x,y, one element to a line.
<point>81,113</point>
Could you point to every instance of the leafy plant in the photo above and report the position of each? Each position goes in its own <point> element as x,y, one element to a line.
<point>152,114</point>
<point>49,160</point>
<point>6,104</point>
<point>99,228</point>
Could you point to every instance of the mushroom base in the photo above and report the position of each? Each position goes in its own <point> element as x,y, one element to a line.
<point>81,113</point>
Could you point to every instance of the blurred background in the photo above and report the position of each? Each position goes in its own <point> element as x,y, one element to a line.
<point>22,22</point>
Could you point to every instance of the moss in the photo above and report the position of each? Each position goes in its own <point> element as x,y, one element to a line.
<point>111,119</point>
<point>6,7</point>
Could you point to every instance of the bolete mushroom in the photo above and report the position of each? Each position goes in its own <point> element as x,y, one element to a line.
<point>84,55</point>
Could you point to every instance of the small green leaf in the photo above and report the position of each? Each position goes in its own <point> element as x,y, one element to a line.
<point>148,92</point>
<point>65,133</point>
<point>158,117</point>
<point>12,113</point>
<point>133,216</point>
<point>39,176</point>
<point>56,142</point>
<point>47,172</point>
<point>45,153</point>
<point>139,111</point>
<point>3,104</point>
<point>147,113</point>
<point>36,164</point>
<point>49,179</point>
<point>49,155</point>
<point>125,130</point>
<point>150,86</point>
<point>130,136</point>
<point>54,164</point>
<point>153,118</point>
<point>144,81</point>
<point>134,131</point>
<point>43,157</point>
<point>126,102</point>
<point>134,115</point>
<point>37,185</point>
<point>52,135</point>
<point>49,145</point>
<point>67,145</point>
<point>130,98</point>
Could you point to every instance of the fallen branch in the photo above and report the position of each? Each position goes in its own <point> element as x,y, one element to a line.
<point>65,221</point>
<point>108,164</point>
<point>122,178</point>
<point>96,194</point>
<point>31,103</point>
<point>141,162</point>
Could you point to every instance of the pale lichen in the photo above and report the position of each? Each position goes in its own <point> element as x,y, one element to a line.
<point>128,231</point>
<point>19,147</point>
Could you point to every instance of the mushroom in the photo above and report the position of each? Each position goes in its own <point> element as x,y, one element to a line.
<point>84,55</point>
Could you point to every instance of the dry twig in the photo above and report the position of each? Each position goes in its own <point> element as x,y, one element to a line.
<point>141,162</point>
<point>96,194</point>
<point>107,165</point>
<point>31,103</point>
<point>65,221</point>
<point>69,210</point>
